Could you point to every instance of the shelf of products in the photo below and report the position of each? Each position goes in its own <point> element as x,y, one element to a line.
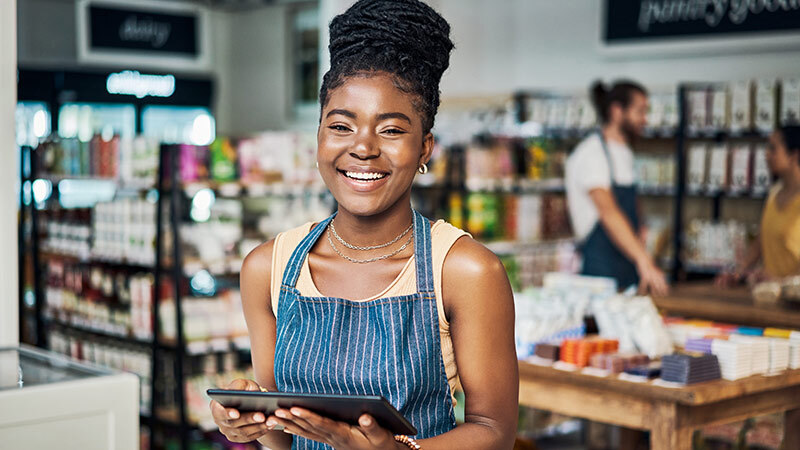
<point>101,228</point>
<point>722,158</point>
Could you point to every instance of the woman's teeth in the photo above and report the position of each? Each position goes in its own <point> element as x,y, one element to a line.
<point>364,176</point>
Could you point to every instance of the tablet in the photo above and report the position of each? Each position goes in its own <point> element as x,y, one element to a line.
<point>343,408</point>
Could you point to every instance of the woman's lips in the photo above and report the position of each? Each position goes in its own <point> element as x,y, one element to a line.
<point>363,185</point>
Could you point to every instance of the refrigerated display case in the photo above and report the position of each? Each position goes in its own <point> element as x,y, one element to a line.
<point>49,400</point>
<point>84,120</point>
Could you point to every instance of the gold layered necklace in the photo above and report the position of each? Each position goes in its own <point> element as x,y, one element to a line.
<point>332,231</point>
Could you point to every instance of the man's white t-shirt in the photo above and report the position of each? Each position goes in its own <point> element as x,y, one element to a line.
<point>587,169</point>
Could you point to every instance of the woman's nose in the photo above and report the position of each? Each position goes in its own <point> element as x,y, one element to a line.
<point>365,146</point>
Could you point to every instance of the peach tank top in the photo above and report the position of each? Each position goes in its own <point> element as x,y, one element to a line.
<point>443,236</point>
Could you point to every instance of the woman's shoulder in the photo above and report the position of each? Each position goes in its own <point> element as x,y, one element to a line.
<point>468,258</point>
<point>260,260</point>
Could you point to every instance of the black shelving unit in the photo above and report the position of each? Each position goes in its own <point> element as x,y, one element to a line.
<point>169,198</point>
<point>684,135</point>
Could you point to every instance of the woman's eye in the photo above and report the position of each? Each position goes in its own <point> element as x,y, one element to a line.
<point>394,131</point>
<point>338,128</point>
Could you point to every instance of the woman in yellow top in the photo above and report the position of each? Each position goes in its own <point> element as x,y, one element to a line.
<point>778,244</point>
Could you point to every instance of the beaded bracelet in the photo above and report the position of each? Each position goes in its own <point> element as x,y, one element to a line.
<point>410,442</point>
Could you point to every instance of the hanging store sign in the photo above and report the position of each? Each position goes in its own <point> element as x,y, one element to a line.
<point>630,21</point>
<point>144,33</point>
<point>131,82</point>
<point>112,28</point>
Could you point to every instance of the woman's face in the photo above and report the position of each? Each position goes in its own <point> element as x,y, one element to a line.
<point>779,159</point>
<point>370,144</point>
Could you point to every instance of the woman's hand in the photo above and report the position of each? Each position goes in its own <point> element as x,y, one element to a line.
<point>368,435</point>
<point>236,426</point>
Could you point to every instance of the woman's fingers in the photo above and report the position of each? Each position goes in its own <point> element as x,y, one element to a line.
<point>243,384</point>
<point>376,435</point>
<point>248,419</point>
<point>289,426</point>
<point>252,432</point>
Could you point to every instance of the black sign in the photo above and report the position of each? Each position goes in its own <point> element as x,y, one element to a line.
<point>142,32</point>
<point>633,20</point>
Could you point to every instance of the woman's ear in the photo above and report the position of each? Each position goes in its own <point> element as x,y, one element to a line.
<point>427,149</point>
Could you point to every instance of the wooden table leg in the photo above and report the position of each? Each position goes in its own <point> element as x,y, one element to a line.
<point>664,438</point>
<point>791,429</point>
<point>665,433</point>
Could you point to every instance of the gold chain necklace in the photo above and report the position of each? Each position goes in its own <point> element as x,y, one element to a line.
<point>370,247</point>
<point>365,261</point>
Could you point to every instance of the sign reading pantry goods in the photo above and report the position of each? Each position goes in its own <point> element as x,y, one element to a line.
<point>119,28</point>
<point>634,20</point>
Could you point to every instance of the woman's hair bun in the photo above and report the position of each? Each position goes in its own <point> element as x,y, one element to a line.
<point>405,38</point>
<point>408,32</point>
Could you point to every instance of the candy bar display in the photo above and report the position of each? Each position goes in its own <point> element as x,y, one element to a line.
<point>579,352</point>
<point>741,351</point>
<point>688,369</point>
<point>618,362</point>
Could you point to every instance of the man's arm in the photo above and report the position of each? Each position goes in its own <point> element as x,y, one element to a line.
<point>622,234</point>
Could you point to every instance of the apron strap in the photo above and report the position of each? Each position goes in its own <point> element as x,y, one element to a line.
<point>292,270</point>
<point>422,253</point>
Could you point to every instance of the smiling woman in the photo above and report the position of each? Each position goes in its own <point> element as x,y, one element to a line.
<point>387,303</point>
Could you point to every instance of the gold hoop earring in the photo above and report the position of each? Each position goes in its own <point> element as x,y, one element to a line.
<point>423,169</point>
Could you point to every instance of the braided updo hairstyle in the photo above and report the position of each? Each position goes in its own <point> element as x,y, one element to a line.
<point>405,39</point>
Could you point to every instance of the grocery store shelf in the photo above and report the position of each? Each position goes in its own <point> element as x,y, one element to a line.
<point>193,348</point>
<point>709,133</point>
<point>101,262</point>
<point>706,193</point>
<point>109,332</point>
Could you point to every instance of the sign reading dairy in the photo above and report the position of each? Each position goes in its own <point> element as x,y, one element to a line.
<point>141,31</point>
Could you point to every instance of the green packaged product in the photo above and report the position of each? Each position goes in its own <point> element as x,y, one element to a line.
<point>223,160</point>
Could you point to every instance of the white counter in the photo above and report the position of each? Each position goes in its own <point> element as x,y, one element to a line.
<point>51,402</point>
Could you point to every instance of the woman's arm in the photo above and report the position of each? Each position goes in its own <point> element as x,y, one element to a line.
<point>254,282</point>
<point>480,306</point>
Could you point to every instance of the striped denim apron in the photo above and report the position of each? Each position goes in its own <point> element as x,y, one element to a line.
<point>388,346</point>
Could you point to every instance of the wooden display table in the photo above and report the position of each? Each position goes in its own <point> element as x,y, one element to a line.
<point>670,414</point>
<point>704,301</point>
